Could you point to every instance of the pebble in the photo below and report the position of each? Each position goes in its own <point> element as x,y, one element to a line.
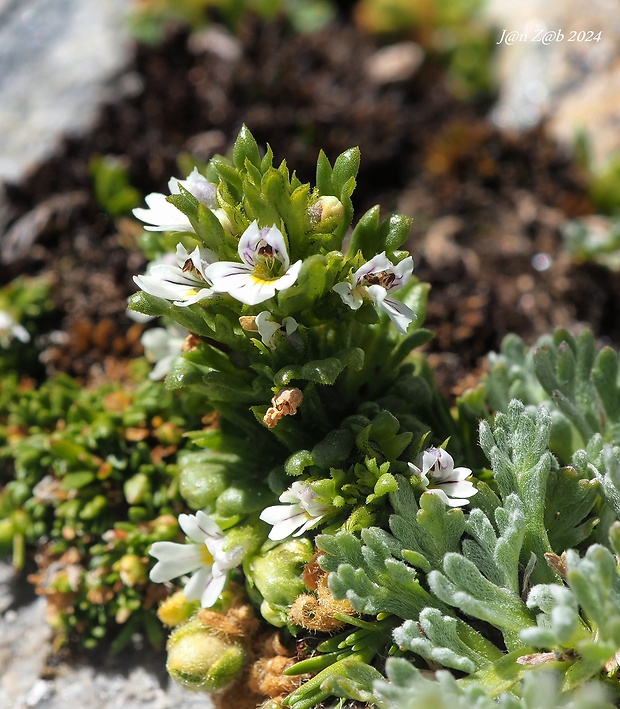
<point>394,63</point>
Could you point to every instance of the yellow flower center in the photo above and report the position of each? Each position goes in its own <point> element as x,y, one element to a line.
<point>207,557</point>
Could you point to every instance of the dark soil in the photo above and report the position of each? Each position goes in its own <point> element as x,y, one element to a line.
<point>488,206</point>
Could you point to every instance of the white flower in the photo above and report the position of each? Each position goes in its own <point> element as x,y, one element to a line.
<point>203,190</point>
<point>301,512</point>
<point>265,267</point>
<point>375,279</point>
<point>204,556</point>
<point>163,216</point>
<point>446,481</point>
<point>162,345</point>
<point>184,283</point>
<point>267,327</point>
<point>10,329</point>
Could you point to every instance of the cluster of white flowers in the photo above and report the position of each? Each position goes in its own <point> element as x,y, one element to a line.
<point>209,558</point>
<point>263,268</point>
<point>440,477</point>
<point>205,554</point>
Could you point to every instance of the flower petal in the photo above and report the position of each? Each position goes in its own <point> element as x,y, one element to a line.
<point>213,590</point>
<point>399,313</point>
<point>267,327</point>
<point>464,488</point>
<point>350,296</point>
<point>280,513</point>
<point>448,501</point>
<point>174,560</point>
<point>420,474</point>
<point>196,586</point>
<point>287,527</point>
<point>289,278</point>
<point>403,272</point>
<point>161,215</point>
<point>199,527</point>
<point>253,236</point>
<point>377,264</point>
<point>198,185</point>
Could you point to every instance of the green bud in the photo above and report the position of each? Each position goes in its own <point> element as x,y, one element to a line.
<point>201,659</point>
<point>165,527</point>
<point>326,212</point>
<point>277,576</point>
<point>169,434</point>
<point>131,569</point>
<point>175,609</point>
<point>237,499</point>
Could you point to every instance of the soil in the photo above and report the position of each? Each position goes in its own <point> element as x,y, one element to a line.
<point>488,206</point>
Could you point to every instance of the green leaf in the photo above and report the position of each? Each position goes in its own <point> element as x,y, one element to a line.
<point>333,449</point>
<point>570,498</point>
<point>394,232</point>
<point>77,480</point>
<point>346,167</point>
<point>435,637</point>
<point>364,236</point>
<point>463,586</point>
<point>371,579</point>
<point>246,148</point>
<point>324,172</point>
<point>431,530</point>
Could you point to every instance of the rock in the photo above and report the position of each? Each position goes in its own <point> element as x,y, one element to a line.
<point>55,59</point>
<point>134,679</point>
<point>394,63</point>
<point>574,85</point>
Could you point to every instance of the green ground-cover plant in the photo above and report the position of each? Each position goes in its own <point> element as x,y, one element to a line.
<point>149,18</point>
<point>89,478</point>
<point>329,504</point>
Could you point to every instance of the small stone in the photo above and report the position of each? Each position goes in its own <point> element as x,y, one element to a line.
<point>395,63</point>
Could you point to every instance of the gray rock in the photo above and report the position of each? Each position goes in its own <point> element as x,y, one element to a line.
<point>135,679</point>
<point>55,59</point>
<point>574,85</point>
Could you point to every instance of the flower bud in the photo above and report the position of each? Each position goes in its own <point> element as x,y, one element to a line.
<point>224,220</point>
<point>325,208</point>
<point>136,488</point>
<point>202,660</point>
<point>165,527</point>
<point>175,609</point>
<point>169,434</point>
<point>277,576</point>
<point>132,570</point>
